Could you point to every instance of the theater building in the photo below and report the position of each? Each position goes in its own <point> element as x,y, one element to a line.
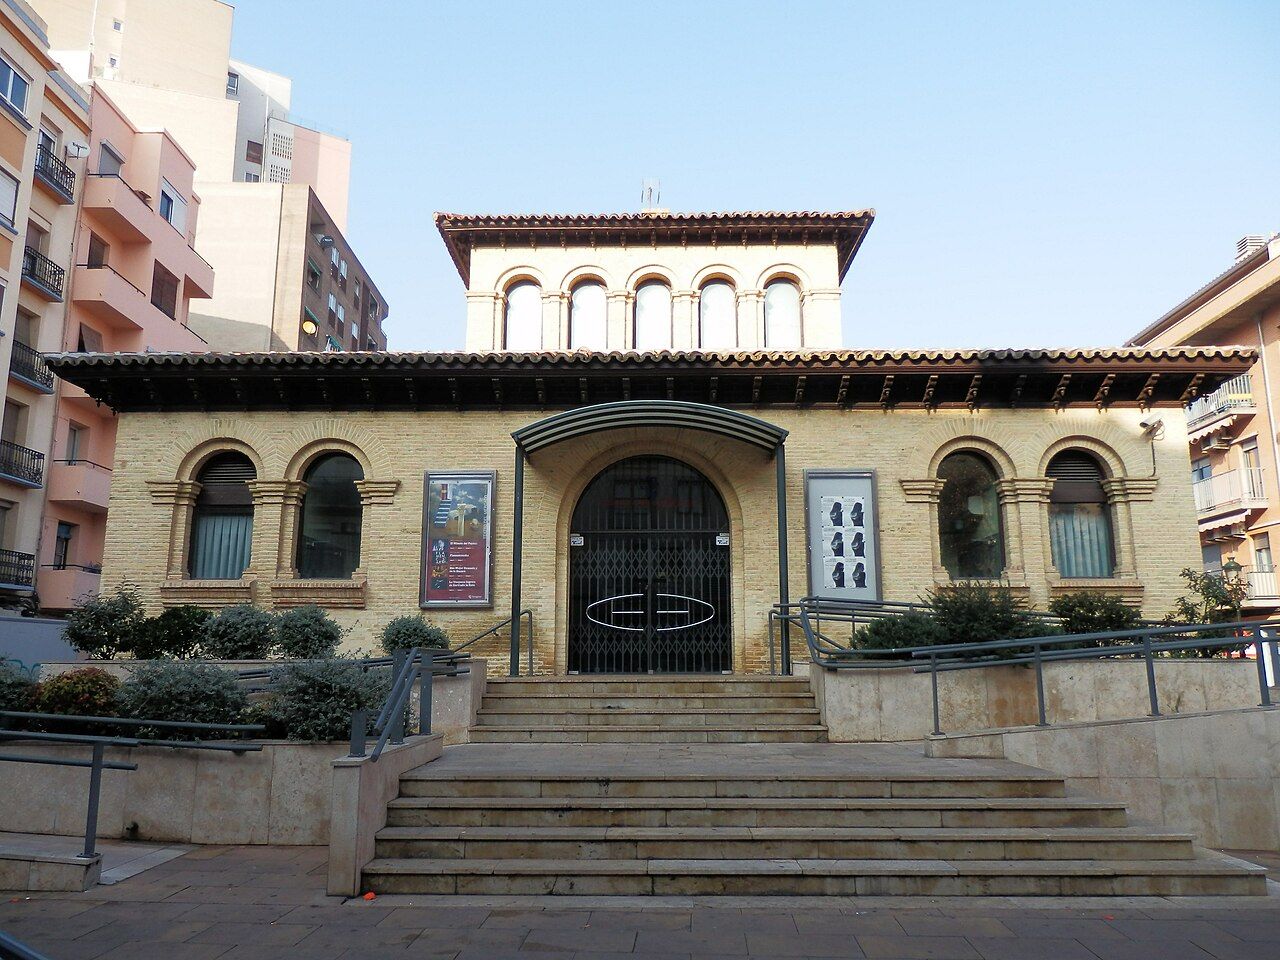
<point>653,437</point>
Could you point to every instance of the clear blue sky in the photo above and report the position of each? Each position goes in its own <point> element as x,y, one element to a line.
<point>1043,174</point>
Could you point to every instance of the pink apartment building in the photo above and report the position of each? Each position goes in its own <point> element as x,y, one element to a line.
<point>134,273</point>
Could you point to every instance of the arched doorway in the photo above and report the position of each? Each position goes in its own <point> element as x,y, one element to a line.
<point>649,572</point>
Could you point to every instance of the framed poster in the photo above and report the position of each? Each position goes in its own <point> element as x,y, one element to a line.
<point>842,536</point>
<point>457,539</point>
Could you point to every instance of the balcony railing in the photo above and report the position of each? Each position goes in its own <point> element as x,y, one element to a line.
<point>22,464</point>
<point>1241,487</point>
<point>17,569</point>
<point>1262,584</point>
<point>43,272</point>
<point>1234,395</point>
<point>55,173</point>
<point>27,363</point>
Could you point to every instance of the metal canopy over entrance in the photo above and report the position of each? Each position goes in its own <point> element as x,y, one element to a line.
<point>649,572</point>
<point>673,414</point>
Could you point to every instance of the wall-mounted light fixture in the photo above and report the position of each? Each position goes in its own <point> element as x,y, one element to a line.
<point>309,327</point>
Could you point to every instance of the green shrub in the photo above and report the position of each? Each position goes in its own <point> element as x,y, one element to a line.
<point>187,692</point>
<point>405,633</point>
<point>978,613</point>
<point>307,633</point>
<point>314,700</point>
<point>16,688</point>
<point>106,625</point>
<point>912,629</point>
<point>1091,611</point>
<point>87,692</point>
<point>174,633</point>
<point>242,632</point>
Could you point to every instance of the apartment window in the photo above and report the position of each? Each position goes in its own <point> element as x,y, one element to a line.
<point>1249,454</point>
<point>1262,561</point>
<point>371,345</point>
<point>110,163</point>
<point>173,207</point>
<point>333,308</point>
<point>1201,469</point>
<point>164,291</point>
<point>6,511</point>
<point>342,319</point>
<point>1211,558</point>
<point>25,328</point>
<point>13,86</point>
<point>62,546</point>
<point>47,141</point>
<point>373,308</point>
<point>253,152</point>
<point>8,198</point>
<point>117,26</point>
<point>98,251</point>
<point>970,531</point>
<point>334,256</point>
<point>77,442</point>
<point>222,524</point>
<point>233,82</point>
<point>13,427</point>
<point>88,340</point>
<point>717,316</point>
<point>313,275</point>
<point>252,178</point>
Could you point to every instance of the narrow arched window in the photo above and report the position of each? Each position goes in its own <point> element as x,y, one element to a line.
<point>588,328</point>
<point>782,315</point>
<point>970,532</point>
<point>329,532</point>
<point>1080,533</point>
<point>222,525</point>
<point>653,316</point>
<point>717,316</point>
<point>522,319</point>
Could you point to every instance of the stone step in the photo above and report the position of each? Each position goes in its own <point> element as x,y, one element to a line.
<point>648,733</point>
<point>667,719</point>
<point>555,702</point>
<point>1203,876</point>
<point>645,685</point>
<point>424,782</point>
<point>772,843</point>
<point>753,812</point>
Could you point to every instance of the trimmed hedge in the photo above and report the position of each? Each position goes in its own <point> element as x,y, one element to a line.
<point>187,692</point>
<point>314,700</point>
<point>241,632</point>
<point>307,633</point>
<point>405,633</point>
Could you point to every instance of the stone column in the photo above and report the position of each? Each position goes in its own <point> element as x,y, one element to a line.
<point>484,320</point>
<point>1121,493</point>
<point>555,320</point>
<point>620,320</point>
<point>927,492</point>
<point>179,498</point>
<point>276,505</point>
<point>751,320</point>
<point>820,318</point>
<point>684,320</point>
<point>1023,500</point>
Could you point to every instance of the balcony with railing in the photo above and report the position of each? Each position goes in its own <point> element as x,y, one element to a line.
<point>42,274</point>
<point>63,584</point>
<point>105,293</point>
<point>26,365</point>
<point>81,484</point>
<point>1263,587</point>
<point>17,570</point>
<point>21,465</point>
<point>120,207</point>
<point>1240,489</point>
<point>1218,409</point>
<point>56,175</point>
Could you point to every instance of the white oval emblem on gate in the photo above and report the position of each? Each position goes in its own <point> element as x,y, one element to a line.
<point>626,611</point>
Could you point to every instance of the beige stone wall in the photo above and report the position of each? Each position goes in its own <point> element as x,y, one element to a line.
<point>158,454</point>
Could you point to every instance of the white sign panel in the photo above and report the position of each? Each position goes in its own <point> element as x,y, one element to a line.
<point>840,522</point>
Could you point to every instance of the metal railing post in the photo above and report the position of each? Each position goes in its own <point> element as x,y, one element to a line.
<point>396,720</point>
<point>933,680</point>
<point>773,656</point>
<point>1043,721</point>
<point>95,790</point>
<point>1274,647</point>
<point>426,681</point>
<point>1151,676</point>
<point>359,726</point>
<point>530,613</point>
<point>1260,658</point>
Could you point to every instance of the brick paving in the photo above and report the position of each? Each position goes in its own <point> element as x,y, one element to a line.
<point>245,903</point>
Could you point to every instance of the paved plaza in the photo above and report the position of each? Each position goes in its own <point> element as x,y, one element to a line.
<point>243,903</point>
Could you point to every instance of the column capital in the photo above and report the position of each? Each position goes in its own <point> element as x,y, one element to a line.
<point>483,295</point>
<point>1131,489</point>
<point>746,295</point>
<point>927,490</point>
<point>172,493</point>
<point>377,492</point>
<point>554,296</point>
<point>820,293</point>
<point>276,491</point>
<point>1025,489</point>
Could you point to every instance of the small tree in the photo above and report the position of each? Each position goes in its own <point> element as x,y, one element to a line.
<point>106,625</point>
<point>87,692</point>
<point>242,632</point>
<point>1213,597</point>
<point>405,633</point>
<point>307,633</point>
<point>174,633</point>
<point>978,613</point>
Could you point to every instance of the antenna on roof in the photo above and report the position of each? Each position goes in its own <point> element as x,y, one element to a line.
<point>651,196</point>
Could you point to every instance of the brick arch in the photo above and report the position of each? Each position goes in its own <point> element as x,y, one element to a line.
<point>948,436</point>
<point>651,271</point>
<point>192,450</point>
<point>784,271</point>
<point>335,436</point>
<point>1112,463</point>
<point>513,275</point>
<point>1103,439</point>
<point>584,272</point>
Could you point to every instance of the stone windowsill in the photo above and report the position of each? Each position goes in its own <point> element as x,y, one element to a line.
<point>206,593</point>
<point>345,594</point>
<point>1130,591</point>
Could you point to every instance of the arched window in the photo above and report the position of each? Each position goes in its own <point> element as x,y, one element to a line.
<point>522,322</point>
<point>329,532</point>
<point>222,526</point>
<point>782,315</point>
<point>969,528</point>
<point>653,316</point>
<point>1079,518</point>
<point>718,316</point>
<point>588,328</point>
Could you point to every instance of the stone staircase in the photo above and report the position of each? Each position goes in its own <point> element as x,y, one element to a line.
<point>775,819</point>
<point>648,709</point>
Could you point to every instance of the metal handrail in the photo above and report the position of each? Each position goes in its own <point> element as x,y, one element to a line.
<point>1031,650</point>
<point>55,172</point>
<point>418,666</point>
<point>21,462</point>
<point>492,631</point>
<point>107,266</point>
<point>28,362</point>
<point>11,949</point>
<point>41,270</point>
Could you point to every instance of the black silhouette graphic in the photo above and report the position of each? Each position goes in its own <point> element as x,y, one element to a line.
<point>837,576</point>
<point>859,545</point>
<point>837,514</point>
<point>855,514</point>
<point>859,576</point>
<point>837,544</point>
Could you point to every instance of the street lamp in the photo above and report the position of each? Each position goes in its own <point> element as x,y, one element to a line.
<point>1232,570</point>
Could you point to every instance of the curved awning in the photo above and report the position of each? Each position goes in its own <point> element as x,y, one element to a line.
<point>677,414</point>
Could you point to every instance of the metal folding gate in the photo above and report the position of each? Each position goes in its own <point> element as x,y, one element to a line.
<point>649,572</point>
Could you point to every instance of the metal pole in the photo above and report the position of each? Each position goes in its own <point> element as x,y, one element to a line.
<point>95,788</point>
<point>1274,647</point>
<point>1262,669</point>
<point>396,720</point>
<point>773,654</point>
<point>426,681</point>
<point>1043,722</point>
<point>933,679</point>
<point>359,724</point>
<point>530,613</point>
<point>784,592</point>
<point>1151,677</point>
<point>517,549</point>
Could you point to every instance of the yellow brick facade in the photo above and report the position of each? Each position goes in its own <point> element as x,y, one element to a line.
<point>158,455</point>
